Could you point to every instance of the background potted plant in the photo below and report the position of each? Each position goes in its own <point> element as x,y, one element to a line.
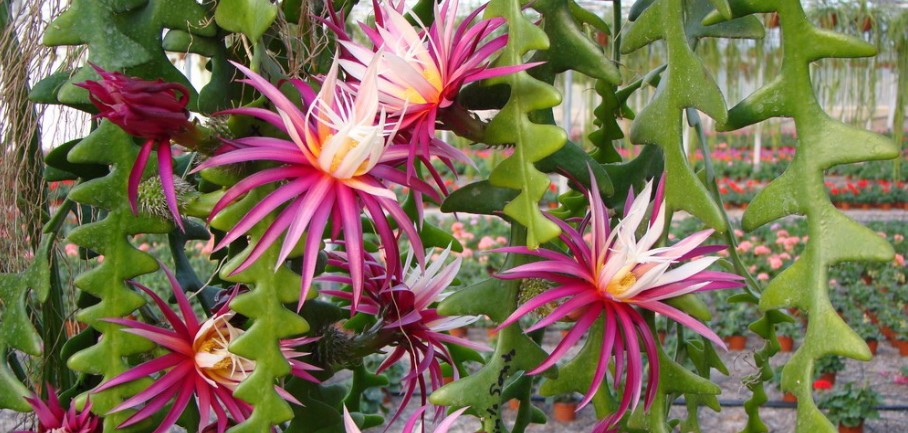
<point>900,339</point>
<point>863,326</point>
<point>786,333</point>
<point>828,366</point>
<point>564,407</point>
<point>730,322</point>
<point>849,406</point>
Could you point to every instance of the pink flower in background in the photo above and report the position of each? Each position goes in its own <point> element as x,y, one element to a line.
<point>486,242</point>
<point>197,364</point>
<point>744,246</point>
<point>153,110</point>
<point>52,418</point>
<point>337,165</point>
<point>611,276</point>
<point>900,260</point>
<point>898,237</point>
<point>403,302</point>
<point>792,242</point>
<point>71,250</point>
<point>762,250</point>
<point>762,276</point>
<point>775,262</point>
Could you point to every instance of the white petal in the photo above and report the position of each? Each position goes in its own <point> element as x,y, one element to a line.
<point>687,270</point>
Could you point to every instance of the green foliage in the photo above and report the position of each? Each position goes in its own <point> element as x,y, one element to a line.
<point>16,330</point>
<point>823,143</point>
<point>514,351</point>
<point>851,406</point>
<point>511,125</point>
<point>124,35</point>
<point>109,145</point>
<point>685,83</point>
<point>272,321</point>
<point>250,17</point>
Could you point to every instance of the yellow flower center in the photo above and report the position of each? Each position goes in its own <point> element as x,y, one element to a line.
<point>213,359</point>
<point>621,282</point>
<point>431,75</point>
<point>349,143</point>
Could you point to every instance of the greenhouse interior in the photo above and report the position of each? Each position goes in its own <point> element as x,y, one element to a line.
<point>454,216</point>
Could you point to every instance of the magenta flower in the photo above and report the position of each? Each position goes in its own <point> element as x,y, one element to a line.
<point>338,162</point>
<point>610,274</point>
<point>423,70</point>
<point>410,426</point>
<point>198,364</point>
<point>52,418</point>
<point>153,110</point>
<point>414,328</point>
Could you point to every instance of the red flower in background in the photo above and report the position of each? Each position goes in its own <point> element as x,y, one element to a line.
<point>822,384</point>
<point>52,418</point>
<point>153,110</point>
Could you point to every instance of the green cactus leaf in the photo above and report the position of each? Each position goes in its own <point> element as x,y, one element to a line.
<point>511,125</point>
<point>822,143</point>
<point>124,36</point>
<point>184,42</point>
<point>514,351</point>
<point>249,17</point>
<point>109,145</point>
<point>271,321</point>
<point>16,329</point>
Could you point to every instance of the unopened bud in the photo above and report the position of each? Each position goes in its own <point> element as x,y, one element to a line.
<point>151,199</point>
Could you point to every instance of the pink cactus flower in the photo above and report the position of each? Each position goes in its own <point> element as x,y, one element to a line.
<point>198,364</point>
<point>612,277</point>
<point>424,69</point>
<point>52,418</point>
<point>412,422</point>
<point>900,260</point>
<point>763,276</point>
<point>153,110</point>
<point>337,165</point>
<point>403,301</point>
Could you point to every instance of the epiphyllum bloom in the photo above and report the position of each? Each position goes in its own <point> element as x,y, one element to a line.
<point>610,274</point>
<point>337,163</point>
<point>52,418</point>
<point>410,426</point>
<point>414,328</point>
<point>423,71</point>
<point>198,364</point>
<point>153,110</point>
